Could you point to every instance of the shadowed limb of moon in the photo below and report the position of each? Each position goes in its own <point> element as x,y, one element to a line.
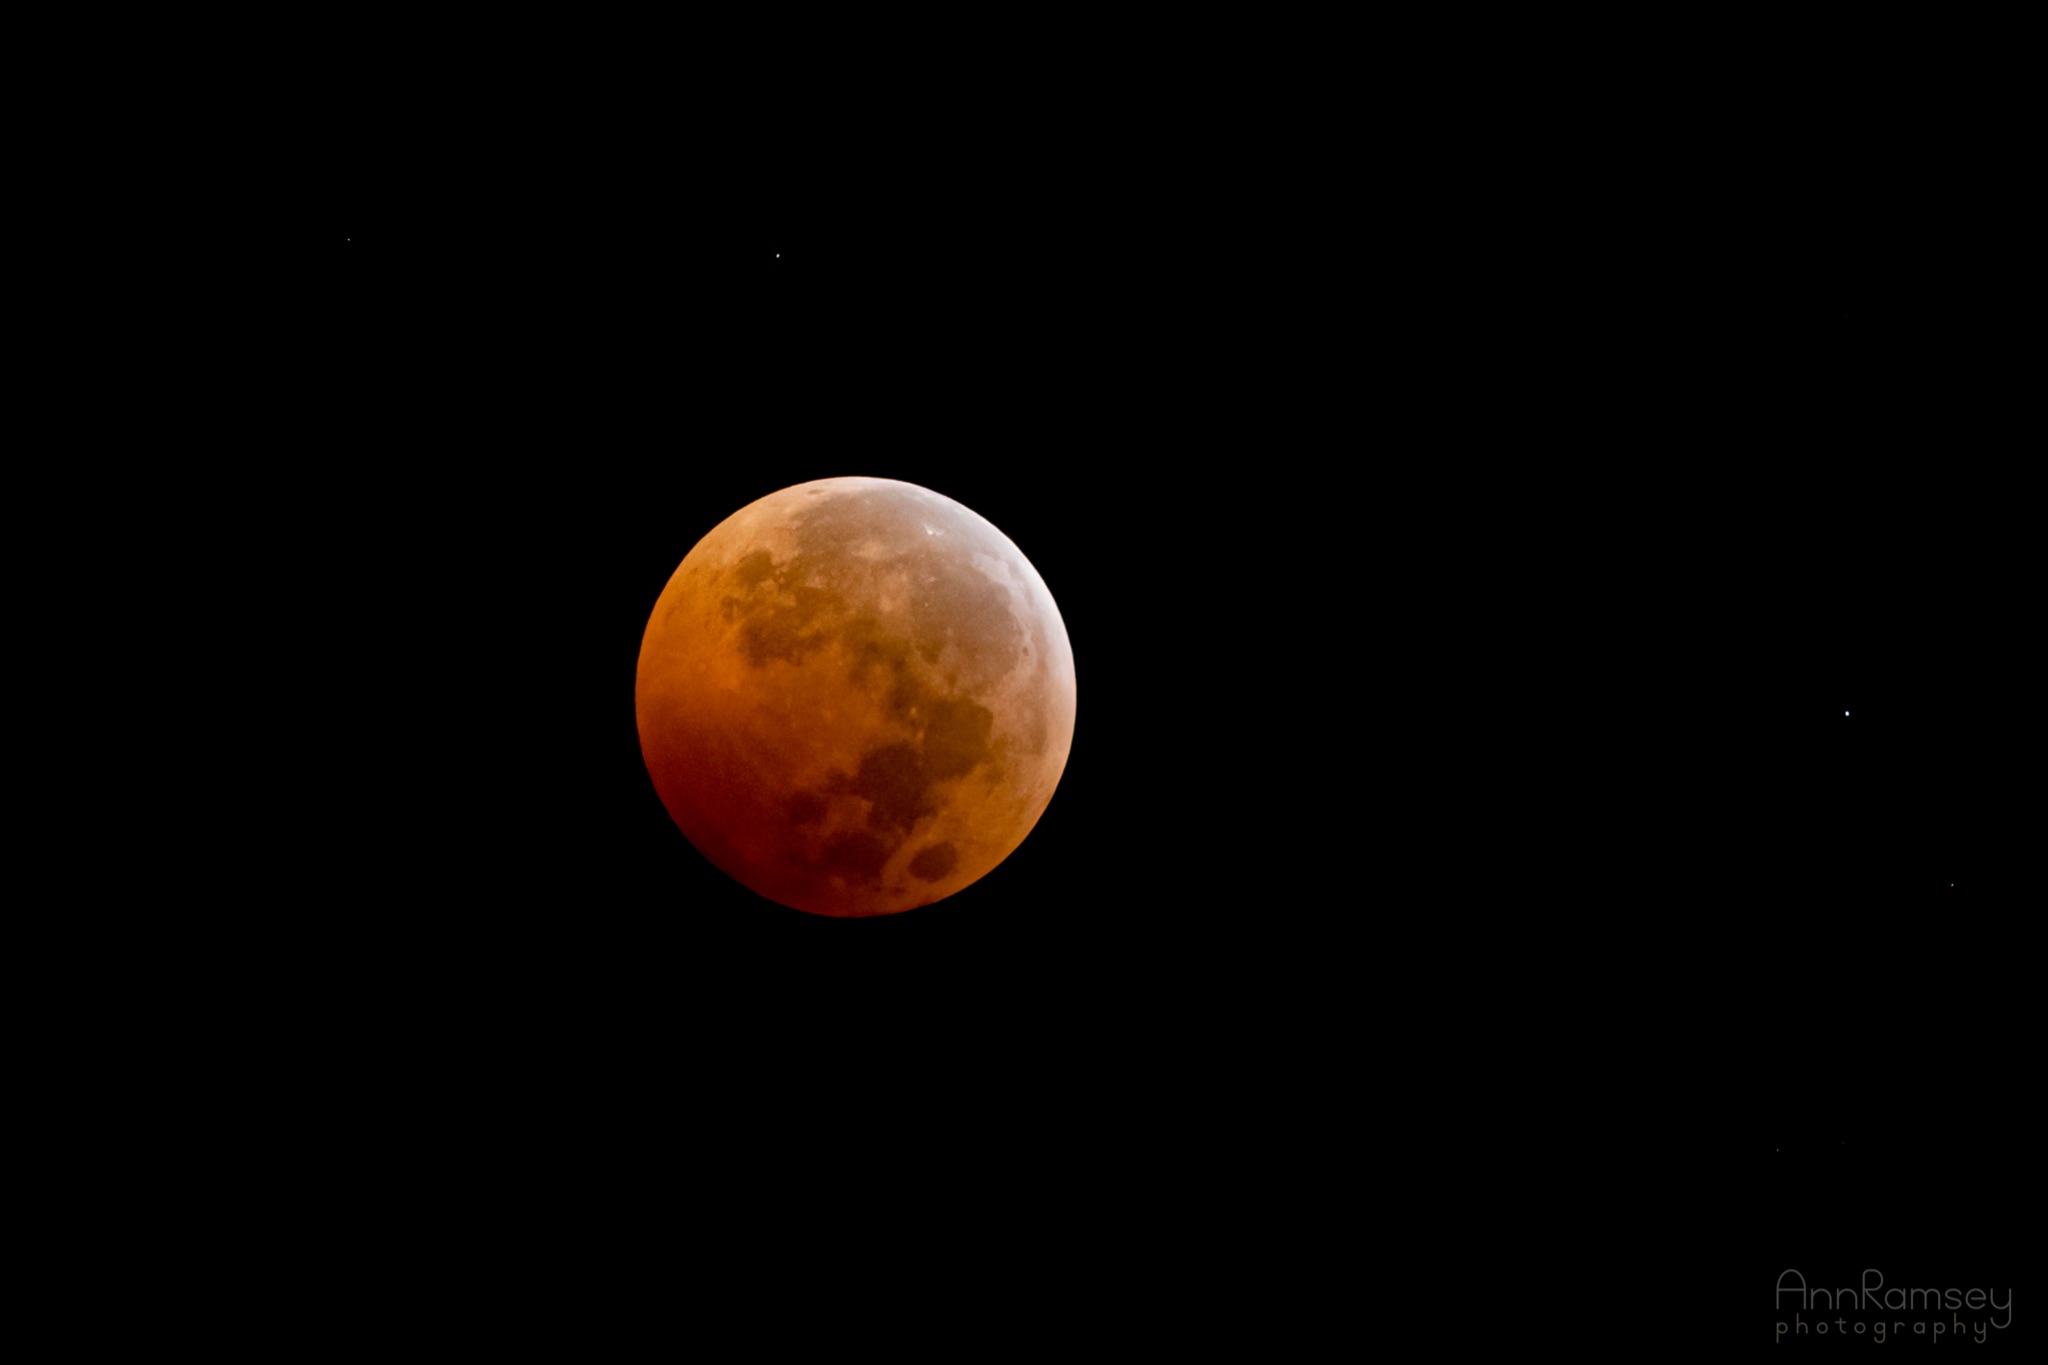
<point>855,696</point>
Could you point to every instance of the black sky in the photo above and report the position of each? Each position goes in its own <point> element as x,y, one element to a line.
<point>1468,576</point>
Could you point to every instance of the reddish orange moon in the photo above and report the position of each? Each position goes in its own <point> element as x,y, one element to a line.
<point>855,696</point>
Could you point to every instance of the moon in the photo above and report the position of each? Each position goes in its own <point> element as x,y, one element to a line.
<point>855,696</point>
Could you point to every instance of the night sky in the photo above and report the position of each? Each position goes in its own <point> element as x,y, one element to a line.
<point>1554,698</point>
